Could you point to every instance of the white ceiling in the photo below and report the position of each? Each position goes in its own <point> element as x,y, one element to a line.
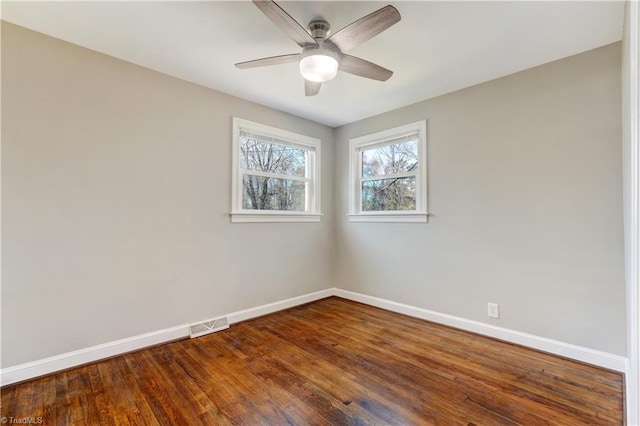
<point>436,48</point>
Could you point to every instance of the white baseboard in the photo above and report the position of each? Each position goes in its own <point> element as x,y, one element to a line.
<point>31,370</point>
<point>68,360</point>
<point>579,353</point>
<point>41,367</point>
<point>279,306</point>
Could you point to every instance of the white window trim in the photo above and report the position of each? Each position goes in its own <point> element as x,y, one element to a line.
<point>379,138</point>
<point>238,214</point>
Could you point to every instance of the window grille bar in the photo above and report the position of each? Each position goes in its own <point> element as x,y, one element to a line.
<point>274,140</point>
<point>413,174</point>
<point>275,175</point>
<point>394,140</point>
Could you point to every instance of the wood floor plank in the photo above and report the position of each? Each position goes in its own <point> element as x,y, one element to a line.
<point>143,414</point>
<point>354,362</point>
<point>331,362</point>
<point>400,382</point>
<point>160,394</point>
<point>466,364</point>
<point>49,399</point>
<point>63,410</point>
<point>8,401</point>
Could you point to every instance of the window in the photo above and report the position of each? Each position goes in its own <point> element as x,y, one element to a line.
<point>388,175</point>
<point>276,175</point>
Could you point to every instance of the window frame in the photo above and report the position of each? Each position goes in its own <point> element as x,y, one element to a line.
<point>313,195</point>
<point>359,144</point>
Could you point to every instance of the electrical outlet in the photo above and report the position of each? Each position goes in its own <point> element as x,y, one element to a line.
<point>493,310</point>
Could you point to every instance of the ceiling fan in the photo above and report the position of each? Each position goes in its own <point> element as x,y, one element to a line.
<point>322,54</point>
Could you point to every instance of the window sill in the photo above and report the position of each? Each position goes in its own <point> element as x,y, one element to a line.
<point>271,217</point>
<point>395,217</point>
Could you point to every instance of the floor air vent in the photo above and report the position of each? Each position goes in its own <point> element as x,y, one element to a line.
<point>206,327</point>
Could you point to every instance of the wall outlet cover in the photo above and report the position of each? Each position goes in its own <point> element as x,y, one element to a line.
<point>493,310</point>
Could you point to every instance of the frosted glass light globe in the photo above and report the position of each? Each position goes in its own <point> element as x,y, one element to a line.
<point>319,65</point>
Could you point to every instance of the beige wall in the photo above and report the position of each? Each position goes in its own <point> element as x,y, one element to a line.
<point>116,194</point>
<point>526,194</point>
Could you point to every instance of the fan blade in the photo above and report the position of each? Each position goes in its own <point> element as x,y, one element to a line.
<point>363,68</point>
<point>285,22</point>
<point>365,28</point>
<point>272,60</point>
<point>311,88</point>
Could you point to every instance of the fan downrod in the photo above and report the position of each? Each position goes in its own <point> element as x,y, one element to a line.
<point>319,29</point>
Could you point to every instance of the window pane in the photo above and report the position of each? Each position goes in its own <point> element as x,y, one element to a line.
<point>265,193</point>
<point>390,159</point>
<point>389,194</point>
<point>273,158</point>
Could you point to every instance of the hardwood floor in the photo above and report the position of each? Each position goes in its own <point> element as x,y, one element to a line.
<point>329,362</point>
